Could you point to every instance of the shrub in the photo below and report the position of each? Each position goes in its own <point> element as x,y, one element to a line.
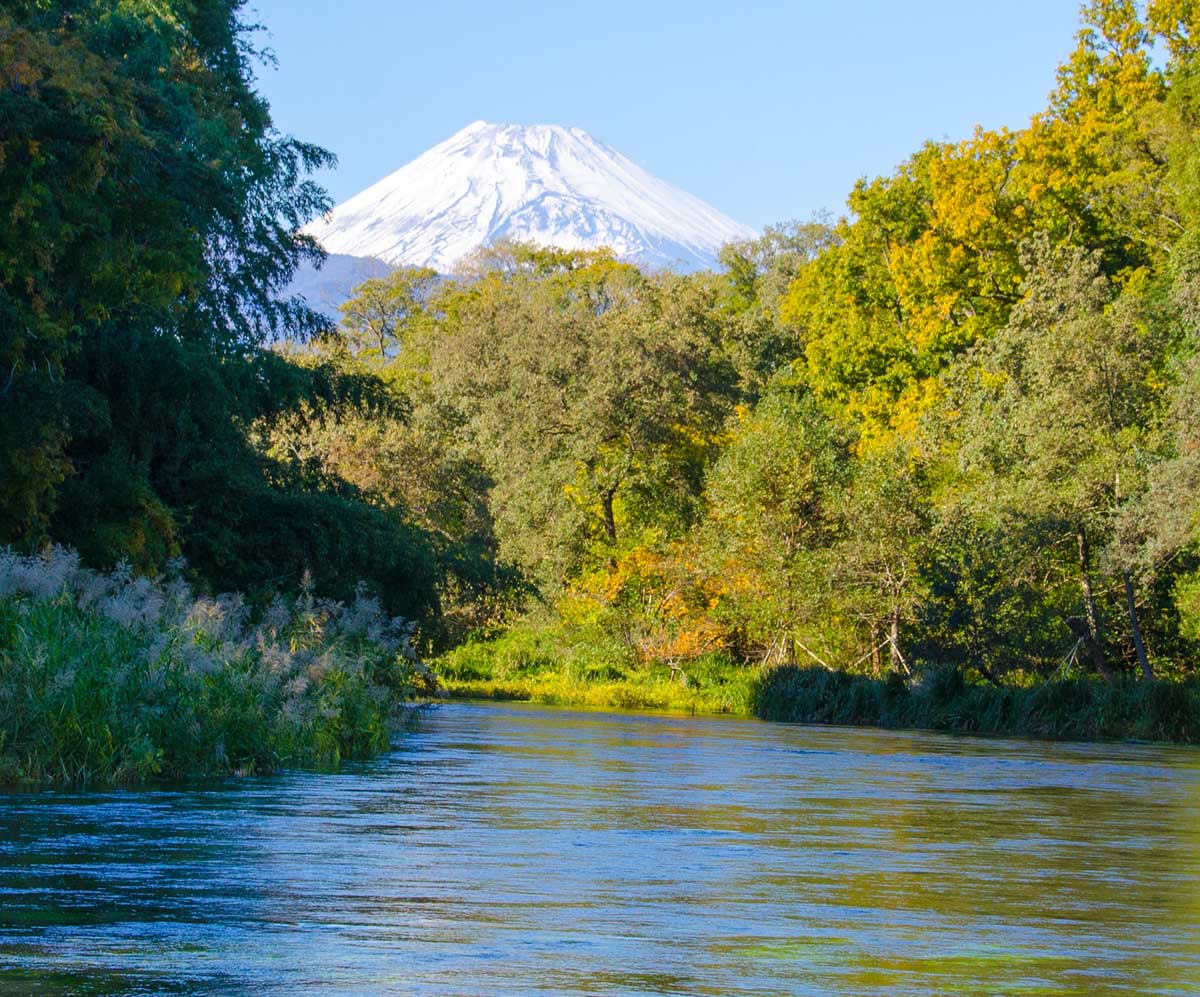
<point>111,678</point>
<point>942,699</point>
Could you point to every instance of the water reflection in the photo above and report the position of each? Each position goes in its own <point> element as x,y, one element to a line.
<point>516,850</point>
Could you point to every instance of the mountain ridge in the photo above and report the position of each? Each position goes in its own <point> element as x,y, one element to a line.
<point>546,184</point>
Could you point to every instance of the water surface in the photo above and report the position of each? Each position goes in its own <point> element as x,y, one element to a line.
<point>505,850</point>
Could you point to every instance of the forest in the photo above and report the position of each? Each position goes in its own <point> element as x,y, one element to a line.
<point>935,462</point>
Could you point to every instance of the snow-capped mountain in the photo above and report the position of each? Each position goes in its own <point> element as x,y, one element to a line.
<point>542,183</point>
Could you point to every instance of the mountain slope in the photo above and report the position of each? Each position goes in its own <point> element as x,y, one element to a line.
<point>325,289</point>
<point>542,183</point>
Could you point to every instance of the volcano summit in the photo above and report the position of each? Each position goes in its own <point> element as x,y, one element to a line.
<point>545,184</point>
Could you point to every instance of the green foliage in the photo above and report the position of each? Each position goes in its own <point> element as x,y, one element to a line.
<point>1078,709</point>
<point>989,607</point>
<point>149,220</point>
<point>109,678</point>
<point>170,470</point>
<point>588,393</point>
<point>382,310</point>
<point>1187,603</point>
<point>1062,394</point>
<point>751,293</point>
<point>570,666</point>
<point>771,519</point>
<point>371,447</point>
<point>142,180</point>
<point>1058,408</point>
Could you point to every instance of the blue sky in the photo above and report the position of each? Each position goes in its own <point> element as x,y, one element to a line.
<point>770,111</point>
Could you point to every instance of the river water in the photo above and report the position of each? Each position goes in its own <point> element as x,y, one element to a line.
<point>509,850</point>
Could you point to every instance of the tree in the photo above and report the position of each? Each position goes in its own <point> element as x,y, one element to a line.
<point>1159,530</point>
<point>141,186</point>
<point>988,603</point>
<point>877,563</point>
<point>150,220</point>
<point>589,393</point>
<point>377,315</point>
<point>373,447</point>
<point>771,520</point>
<point>752,290</point>
<point>1058,413</point>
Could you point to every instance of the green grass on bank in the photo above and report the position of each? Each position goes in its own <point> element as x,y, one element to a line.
<point>544,665</point>
<point>107,678</point>
<point>547,664</point>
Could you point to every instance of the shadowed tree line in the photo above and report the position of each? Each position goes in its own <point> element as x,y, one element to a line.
<point>148,224</point>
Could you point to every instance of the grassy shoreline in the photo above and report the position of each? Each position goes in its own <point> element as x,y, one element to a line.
<point>650,697</point>
<point>543,665</point>
<point>110,679</point>
<point>1079,709</point>
<point>528,666</point>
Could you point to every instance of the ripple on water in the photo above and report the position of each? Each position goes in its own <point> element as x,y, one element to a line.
<point>507,850</point>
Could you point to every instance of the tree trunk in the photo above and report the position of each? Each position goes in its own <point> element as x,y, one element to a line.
<point>876,664</point>
<point>1093,637</point>
<point>610,522</point>
<point>1138,643</point>
<point>897,661</point>
<point>987,673</point>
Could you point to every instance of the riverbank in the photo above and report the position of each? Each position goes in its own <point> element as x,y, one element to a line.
<point>1081,709</point>
<point>529,666</point>
<point>532,665</point>
<point>110,679</point>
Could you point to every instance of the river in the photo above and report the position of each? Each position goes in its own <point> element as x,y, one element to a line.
<point>514,849</point>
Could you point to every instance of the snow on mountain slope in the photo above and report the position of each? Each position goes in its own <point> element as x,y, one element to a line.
<point>542,183</point>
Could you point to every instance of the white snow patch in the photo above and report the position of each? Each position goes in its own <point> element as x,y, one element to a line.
<point>545,184</point>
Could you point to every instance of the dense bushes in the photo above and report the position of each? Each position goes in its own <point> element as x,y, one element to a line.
<point>1071,709</point>
<point>149,226</point>
<point>113,678</point>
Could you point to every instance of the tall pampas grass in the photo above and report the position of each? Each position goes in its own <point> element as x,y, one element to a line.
<point>107,677</point>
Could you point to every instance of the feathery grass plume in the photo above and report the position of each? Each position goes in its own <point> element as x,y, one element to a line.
<point>106,677</point>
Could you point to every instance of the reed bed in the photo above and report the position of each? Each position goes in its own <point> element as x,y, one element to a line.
<point>109,678</point>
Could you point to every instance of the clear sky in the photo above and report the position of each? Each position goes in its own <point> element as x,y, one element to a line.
<point>768,110</point>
